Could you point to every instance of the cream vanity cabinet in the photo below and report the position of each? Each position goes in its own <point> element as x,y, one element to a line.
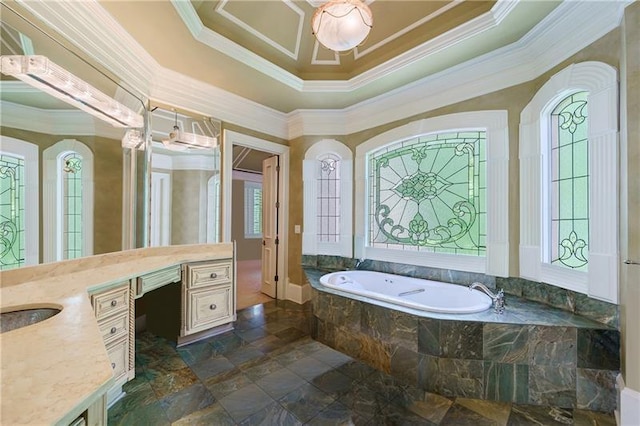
<point>113,308</point>
<point>208,298</point>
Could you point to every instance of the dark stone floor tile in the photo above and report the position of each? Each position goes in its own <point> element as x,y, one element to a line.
<point>165,384</point>
<point>245,402</point>
<point>214,414</point>
<point>363,400</point>
<point>430,406</point>
<point>151,414</point>
<point>395,415</point>
<point>458,415</point>
<point>290,334</point>
<point>356,370</point>
<point>243,355</point>
<point>331,357</point>
<point>271,415</point>
<point>186,401</point>
<point>305,402</point>
<point>261,370</point>
<point>196,352</point>
<point>252,334</point>
<point>227,383</point>
<point>526,415</point>
<point>276,326</point>
<point>593,418</point>
<point>384,384</point>
<point>230,342</point>
<point>212,367</point>
<point>337,414</point>
<point>269,344</point>
<point>280,383</point>
<point>289,356</point>
<point>309,368</point>
<point>138,393</point>
<point>334,383</point>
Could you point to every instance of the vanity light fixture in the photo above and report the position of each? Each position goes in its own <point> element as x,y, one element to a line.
<point>41,73</point>
<point>180,141</point>
<point>341,25</point>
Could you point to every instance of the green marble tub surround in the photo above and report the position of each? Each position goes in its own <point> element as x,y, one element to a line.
<point>533,354</point>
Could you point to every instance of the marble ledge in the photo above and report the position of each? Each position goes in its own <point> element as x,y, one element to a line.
<point>53,369</point>
<point>518,311</point>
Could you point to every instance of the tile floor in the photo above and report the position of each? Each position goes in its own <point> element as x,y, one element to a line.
<point>268,371</point>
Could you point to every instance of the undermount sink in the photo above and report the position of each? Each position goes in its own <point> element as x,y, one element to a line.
<point>25,316</point>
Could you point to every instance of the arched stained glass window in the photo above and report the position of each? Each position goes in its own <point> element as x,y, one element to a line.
<point>71,203</point>
<point>568,234</point>
<point>328,199</point>
<point>12,211</point>
<point>428,193</point>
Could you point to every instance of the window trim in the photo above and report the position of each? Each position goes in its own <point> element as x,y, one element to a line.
<point>51,198</point>
<point>310,243</point>
<point>496,261</point>
<point>29,152</point>
<point>601,279</point>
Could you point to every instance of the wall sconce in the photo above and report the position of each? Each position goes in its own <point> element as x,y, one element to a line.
<point>41,73</point>
<point>341,25</point>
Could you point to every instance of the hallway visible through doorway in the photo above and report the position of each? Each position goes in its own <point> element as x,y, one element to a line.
<point>248,284</point>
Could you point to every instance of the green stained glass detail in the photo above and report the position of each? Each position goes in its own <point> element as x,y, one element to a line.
<point>569,183</point>
<point>72,196</point>
<point>425,194</point>
<point>12,238</point>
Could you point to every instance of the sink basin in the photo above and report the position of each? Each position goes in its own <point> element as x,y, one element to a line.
<point>24,317</point>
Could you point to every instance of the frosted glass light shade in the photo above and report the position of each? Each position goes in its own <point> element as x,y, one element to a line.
<point>341,25</point>
<point>180,141</point>
<point>38,71</point>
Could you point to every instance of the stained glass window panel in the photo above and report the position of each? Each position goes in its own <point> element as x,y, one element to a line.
<point>328,200</point>
<point>12,203</point>
<point>72,210</point>
<point>569,183</point>
<point>427,193</point>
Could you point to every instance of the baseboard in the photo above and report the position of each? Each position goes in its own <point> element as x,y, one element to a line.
<point>297,293</point>
<point>628,413</point>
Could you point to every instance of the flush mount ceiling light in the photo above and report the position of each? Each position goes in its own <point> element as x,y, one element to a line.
<point>38,71</point>
<point>341,25</point>
<point>181,141</point>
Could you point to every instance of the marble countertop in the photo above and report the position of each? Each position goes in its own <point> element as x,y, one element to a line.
<point>53,369</point>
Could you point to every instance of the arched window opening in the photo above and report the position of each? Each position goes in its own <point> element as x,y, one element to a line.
<point>71,215</point>
<point>12,211</point>
<point>328,216</point>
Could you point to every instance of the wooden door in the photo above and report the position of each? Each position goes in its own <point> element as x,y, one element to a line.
<point>270,240</point>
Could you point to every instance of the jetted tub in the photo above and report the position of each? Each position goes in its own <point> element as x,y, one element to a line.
<point>416,293</point>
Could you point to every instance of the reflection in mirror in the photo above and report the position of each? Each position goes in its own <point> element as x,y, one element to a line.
<point>61,169</point>
<point>185,178</point>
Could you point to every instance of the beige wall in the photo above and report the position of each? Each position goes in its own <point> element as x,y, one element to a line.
<point>246,249</point>
<point>630,223</point>
<point>188,193</point>
<point>107,158</point>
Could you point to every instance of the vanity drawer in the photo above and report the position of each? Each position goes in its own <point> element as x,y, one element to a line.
<point>110,302</point>
<point>208,306</point>
<point>157,279</point>
<point>207,274</point>
<point>114,328</point>
<point>119,356</point>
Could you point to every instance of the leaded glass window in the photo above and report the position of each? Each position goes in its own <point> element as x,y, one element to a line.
<point>328,202</point>
<point>569,183</point>
<point>71,164</point>
<point>429,194</point>
<point>12,210</point>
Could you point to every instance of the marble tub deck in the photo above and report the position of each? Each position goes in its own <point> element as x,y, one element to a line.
<point>268,371</point>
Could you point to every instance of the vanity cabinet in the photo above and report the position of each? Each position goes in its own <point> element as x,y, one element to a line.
<point>208,296</point>
<point>113,308</point>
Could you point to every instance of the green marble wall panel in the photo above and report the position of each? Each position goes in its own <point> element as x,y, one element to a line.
<point>429,336</point>
<point>596,389</point>
<point>552,385</point>
<point>460,377</point>
<point>394,327</point>
<point>404,365</point>
<point>553,346</point>
<point>461,339</point>
<point>599,349</point>
<point>506,382</point>
<point>506,343</point>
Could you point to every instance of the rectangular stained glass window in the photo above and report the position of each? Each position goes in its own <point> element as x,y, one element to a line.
<point>429,194</point>
<point>569,183</point>
<point>72,210</point>
<point>12,205</point>
<point>328,201</point>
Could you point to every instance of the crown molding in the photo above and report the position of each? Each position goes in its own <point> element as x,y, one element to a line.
<point>55,121</point>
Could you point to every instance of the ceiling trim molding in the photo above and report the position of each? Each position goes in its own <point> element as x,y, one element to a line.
<point>55,121</point>
<point>316,61</point>
<point>546,45</point>
<point>294,55</point>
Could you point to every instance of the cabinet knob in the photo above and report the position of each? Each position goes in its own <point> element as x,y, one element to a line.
<point>113,365</point>
<point>114,302</point>
<point>113,330</point>
<point>213,275</point>
<point>212,306</point>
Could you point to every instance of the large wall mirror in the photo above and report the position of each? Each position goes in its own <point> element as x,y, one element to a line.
<point>185,178</point>
<point>67,187</point>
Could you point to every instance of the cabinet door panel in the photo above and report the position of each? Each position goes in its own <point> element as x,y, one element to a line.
<point>209,274</point>
<point>110,302</point>
<point>208,307</point>
<point>119,356</point>
<point>114,328</point>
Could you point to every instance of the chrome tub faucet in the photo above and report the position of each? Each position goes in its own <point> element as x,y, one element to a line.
<point>498,298</point>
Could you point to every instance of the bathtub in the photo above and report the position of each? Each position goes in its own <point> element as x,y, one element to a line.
<point>425,295</point>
